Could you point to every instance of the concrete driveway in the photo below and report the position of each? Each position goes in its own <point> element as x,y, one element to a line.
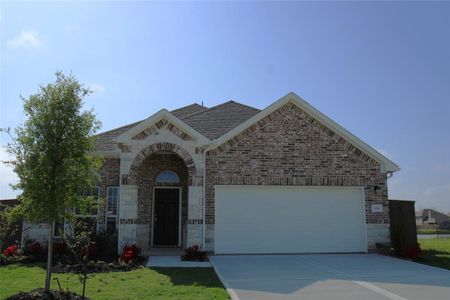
<point>329,276</point>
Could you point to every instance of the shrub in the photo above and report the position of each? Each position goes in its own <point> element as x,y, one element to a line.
<point>12,250</point>
<point>412,251</point>
<point>129,253</point>
<point>194,253</point>
<point>106,244</point>
<point>32,248</point>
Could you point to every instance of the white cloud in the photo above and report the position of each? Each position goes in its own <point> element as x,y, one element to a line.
<point>97,88</point>
<point>26,39</point>
<point>7,177</point>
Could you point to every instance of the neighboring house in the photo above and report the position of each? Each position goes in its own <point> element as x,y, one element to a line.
<point>432,217</point>
<point>236,179</point>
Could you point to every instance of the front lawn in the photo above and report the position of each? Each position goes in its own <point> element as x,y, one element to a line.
<point>145,283</point>
<point>436,252</point>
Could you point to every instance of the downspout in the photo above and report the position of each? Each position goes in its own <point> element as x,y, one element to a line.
<point>204,198</point>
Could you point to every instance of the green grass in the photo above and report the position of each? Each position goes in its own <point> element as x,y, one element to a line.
<point>433,231</point>
<point>145,283</point>
<point>436,252</point>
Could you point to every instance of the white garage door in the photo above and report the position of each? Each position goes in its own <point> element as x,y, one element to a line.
<point>276,219</point>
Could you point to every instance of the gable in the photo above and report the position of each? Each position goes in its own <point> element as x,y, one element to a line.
<point>291,134</point>
<point>316,118</point>
<point>163,123</point>
<point>162,119</point>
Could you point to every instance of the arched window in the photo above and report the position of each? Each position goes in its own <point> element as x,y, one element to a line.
<point>167,176</point>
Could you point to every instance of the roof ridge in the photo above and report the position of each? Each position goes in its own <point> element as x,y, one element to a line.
<point>119,127</point>
<point>248,106</point>
<point>217,106</point>
<point>183,107</point>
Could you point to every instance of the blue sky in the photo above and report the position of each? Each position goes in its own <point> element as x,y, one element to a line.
<point>381,70</point>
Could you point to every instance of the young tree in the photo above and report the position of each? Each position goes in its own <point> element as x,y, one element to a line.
<point>52,155</point>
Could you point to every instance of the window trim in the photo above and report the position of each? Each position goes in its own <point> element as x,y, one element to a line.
<point>90,215</point>
<point>107,204</point>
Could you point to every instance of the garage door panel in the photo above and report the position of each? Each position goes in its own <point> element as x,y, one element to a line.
<point>260,219</point>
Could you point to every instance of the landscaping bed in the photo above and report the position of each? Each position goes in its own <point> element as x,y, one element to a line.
<point>42,294</point>
<point>100,266</point>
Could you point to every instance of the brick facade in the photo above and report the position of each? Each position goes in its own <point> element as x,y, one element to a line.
<point>289,147</point>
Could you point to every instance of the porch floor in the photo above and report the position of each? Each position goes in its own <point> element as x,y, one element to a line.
<point>163,252</point>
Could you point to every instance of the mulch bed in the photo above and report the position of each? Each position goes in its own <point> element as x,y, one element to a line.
<point>201,256</point>
<point>42,294</point>
<point>100,266</point>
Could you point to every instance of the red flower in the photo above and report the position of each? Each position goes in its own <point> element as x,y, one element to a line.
<point>11,250</point>
<point>129,253</point>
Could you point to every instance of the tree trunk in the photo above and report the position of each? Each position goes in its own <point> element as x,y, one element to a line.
<point>48,276</point>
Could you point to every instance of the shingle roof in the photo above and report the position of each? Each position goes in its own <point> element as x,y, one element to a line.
<point>105,140</point>
<point>185,111</point>
<point>220,119</point>
<point>211,122</point>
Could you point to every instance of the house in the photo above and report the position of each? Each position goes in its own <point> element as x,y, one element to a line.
<point>430,217</point>
<point>236,179</point>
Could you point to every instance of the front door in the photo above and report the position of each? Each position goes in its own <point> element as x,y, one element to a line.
<point>166,217</point>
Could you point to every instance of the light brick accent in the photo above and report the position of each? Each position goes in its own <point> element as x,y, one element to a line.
<point>153,130</point>
<point>159,147</point>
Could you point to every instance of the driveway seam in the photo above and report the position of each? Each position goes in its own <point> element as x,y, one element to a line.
<point>364,284</point>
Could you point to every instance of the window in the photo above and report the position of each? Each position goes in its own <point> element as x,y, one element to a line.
<point>88,221</point>
<point>167,176</point>
<point>112,205</point>
<point>59,229</point>
<point>94,194</point>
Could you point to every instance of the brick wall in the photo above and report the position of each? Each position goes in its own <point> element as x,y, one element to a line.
<point>289,147</point>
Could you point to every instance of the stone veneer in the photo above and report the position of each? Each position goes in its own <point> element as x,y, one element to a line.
<point>289,147</point>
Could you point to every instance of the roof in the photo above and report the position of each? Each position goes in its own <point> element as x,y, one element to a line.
<point>218,120</point>
<point>216,125</point>
<point>210,122</point>
<point>188,110</point>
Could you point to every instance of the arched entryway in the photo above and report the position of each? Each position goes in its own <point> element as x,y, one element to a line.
<point>162,184</point>
<point>162,181</point>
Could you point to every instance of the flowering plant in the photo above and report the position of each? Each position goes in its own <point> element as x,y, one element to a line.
<point>129,253</point>
<point>194,253</point>
<point>12,250</point>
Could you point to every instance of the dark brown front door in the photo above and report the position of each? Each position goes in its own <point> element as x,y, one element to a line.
<point>166,218</point>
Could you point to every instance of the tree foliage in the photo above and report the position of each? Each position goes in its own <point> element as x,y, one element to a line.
<point>52,151</point>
